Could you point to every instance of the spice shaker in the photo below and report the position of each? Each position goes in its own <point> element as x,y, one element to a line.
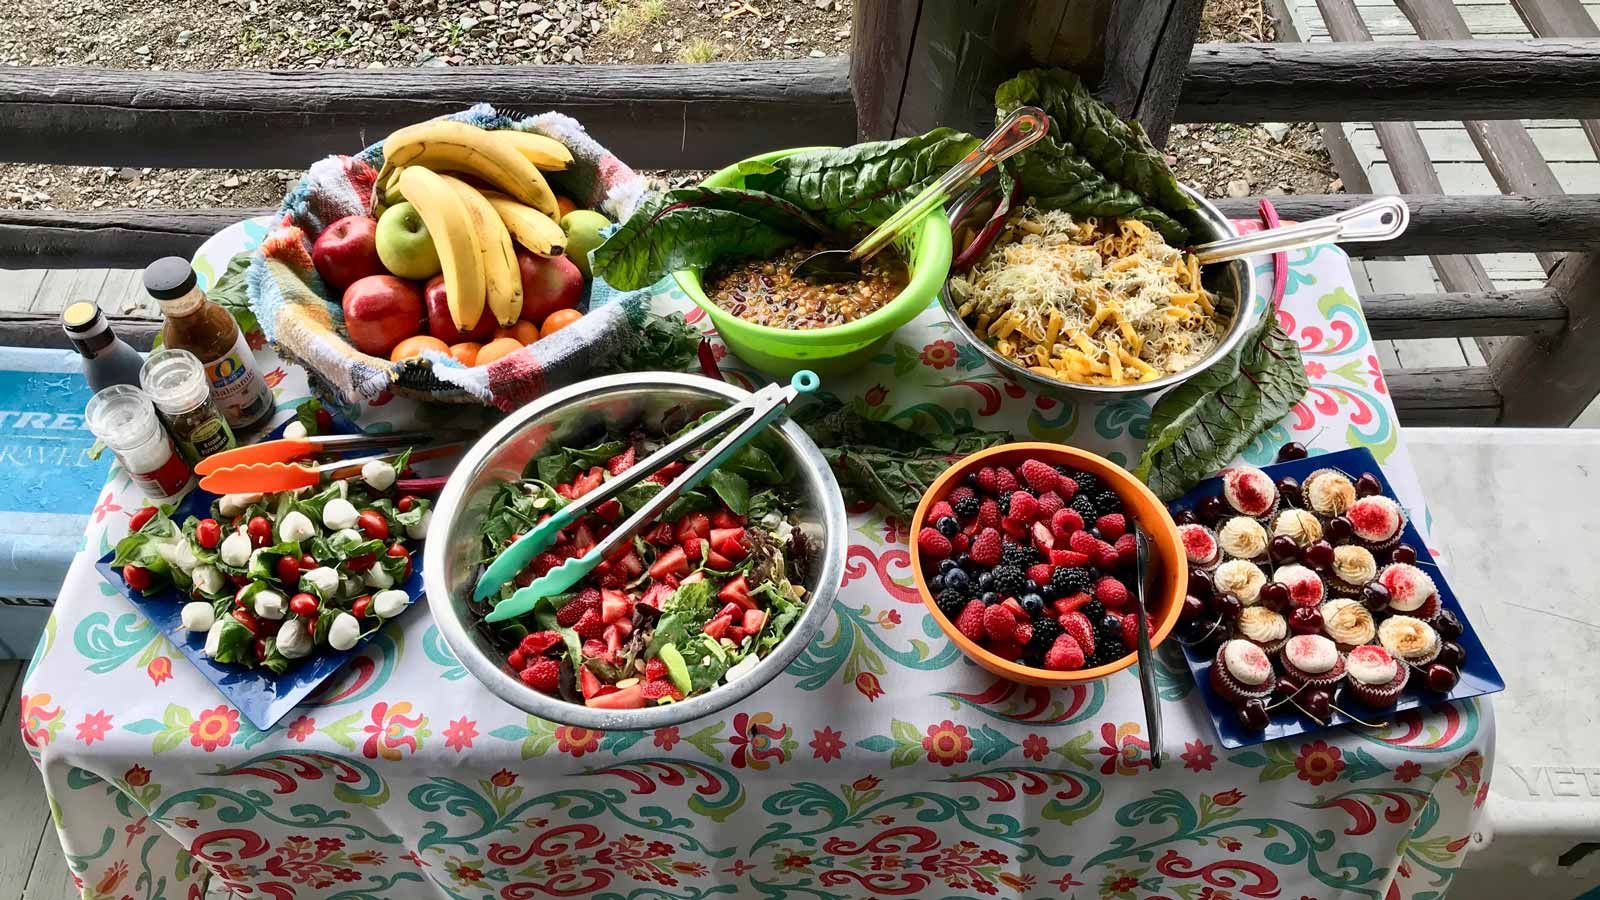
<point>124,419</point>
<point>176,381</point>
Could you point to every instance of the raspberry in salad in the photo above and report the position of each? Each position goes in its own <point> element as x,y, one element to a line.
<point>695,600</point>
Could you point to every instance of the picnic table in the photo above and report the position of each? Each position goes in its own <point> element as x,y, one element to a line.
<point>881,763</point>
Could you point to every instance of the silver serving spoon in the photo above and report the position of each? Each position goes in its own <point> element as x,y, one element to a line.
<point>1375,220</point>
<point>1018,132</point>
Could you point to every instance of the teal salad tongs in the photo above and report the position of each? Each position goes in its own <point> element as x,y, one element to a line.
<point>757,411</point>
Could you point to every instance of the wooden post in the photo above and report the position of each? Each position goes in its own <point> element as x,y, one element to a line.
<point>881,35</point>
<point>1548,383</point>
<point>1148,43</point>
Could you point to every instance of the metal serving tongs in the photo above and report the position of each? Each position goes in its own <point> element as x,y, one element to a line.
<point>1147,660</point>
<point>272,465</point>
<point>1377,220</point>
<point>1018,132</point>
<point>762,408</point>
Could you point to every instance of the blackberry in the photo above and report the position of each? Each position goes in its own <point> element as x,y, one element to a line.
<point>1088,483</point>
<point>950,603</point>
<point>1045,631</point>
<point>1084,506</point>
<point>1094,610</point>
<point>1112,648</point>
<point>1107,502</point>
<point>1069,580</point>
<point>1005,503</point>
<point>1016,555</point>
<point>967,507</point>
<point>1009,580</point>
<point>1067,471</point>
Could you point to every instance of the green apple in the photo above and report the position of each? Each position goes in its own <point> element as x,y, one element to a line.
<point>404,244</point>
<point>583,227</point>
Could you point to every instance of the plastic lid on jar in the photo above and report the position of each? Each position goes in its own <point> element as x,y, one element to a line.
<point>122,416</point>
<point>175,380</point>
<point>169,278</point>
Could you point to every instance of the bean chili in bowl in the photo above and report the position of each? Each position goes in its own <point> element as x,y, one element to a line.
<point>766,292</point>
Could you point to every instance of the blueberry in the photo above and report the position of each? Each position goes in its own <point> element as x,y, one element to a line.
<point>948,526</point>
<point>958,579</point>
<point>938,584</point>
<point>1050,591</point>
<point>964,560</point>
<point>986,580</point>
<point>990,598</point>
<point>970,480</point>
<point>946,565</point>
<point>1032,604</point>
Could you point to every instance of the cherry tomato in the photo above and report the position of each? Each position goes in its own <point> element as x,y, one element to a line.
<point>261,647</point>
<point>259,530</point>
<point>404,504</point>
<point>239,580</point>
<point>398,551</point>
<point>287,569</point>
<point>248,619</point>
<point>373,525</point>
<point>360,606</point>
<point>138,577</point>
<point>138,519</point>
<point>238,597</point>
<point>208,533</point>
<point>308,562</point>
<point>303,605</point>
<point>360,563</point>
<point>324,421</point>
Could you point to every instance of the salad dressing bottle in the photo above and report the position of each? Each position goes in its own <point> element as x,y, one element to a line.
<point>107,359</point>
<point>200,326</point>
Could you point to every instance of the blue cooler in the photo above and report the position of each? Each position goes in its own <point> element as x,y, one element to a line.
<point>48,486</point>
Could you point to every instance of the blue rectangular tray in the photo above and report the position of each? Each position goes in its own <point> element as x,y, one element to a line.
<point>1478,673</point>
<point>262,697</point>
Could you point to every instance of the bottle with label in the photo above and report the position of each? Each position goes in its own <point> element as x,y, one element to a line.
<point>124,419</point>
<point>107,359</point>
<point>200,326</point>
<point>177,382</point>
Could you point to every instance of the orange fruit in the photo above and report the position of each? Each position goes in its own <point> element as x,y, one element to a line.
<point>466,352</point>
<point>412,347</point>
<point>564,205</point>
<point>522,332</point>
<point>497,348</point>
<point>558,320</point>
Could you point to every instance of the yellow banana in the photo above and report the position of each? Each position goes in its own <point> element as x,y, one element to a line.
<point>455,236</point>
<point>531,228</point>
<point>502,279</point>
<point>545,153</point>
<point>449,146</point>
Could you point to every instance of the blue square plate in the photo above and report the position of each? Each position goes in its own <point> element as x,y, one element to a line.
<point>262,697</point>
<point>1478,673</point>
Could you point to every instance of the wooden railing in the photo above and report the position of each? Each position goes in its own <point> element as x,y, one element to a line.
<point>917,63</point>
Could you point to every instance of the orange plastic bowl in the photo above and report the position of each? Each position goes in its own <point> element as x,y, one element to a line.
<point>1170,576</point>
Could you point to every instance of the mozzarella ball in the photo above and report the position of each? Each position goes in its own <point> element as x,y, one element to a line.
<point>294,431</point>
<point>419,530</point>
<point>233,504</point>
<point>235,549</point>
<point>207,580</point>
<point>198,616</point>
<point>388,604</point>
<point>270,604</point>
<point>294,638</point>
<point>344,632</point>
<point>376,577</point>
<point>378,475</point>
<point>339,514</point>
<point>296,526</point>
<point>213,639</point>
<point>323,579</point>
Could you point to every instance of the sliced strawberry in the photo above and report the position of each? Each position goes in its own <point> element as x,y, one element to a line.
<point>1015,607</point>
<point>693,525</point>
<point>613,639</point>
<point>672,561</point>
<point>582,539</point>
<point>718,627</point>
<point>666,473</point>
<point>656,595</point>
<point>661,535</point>
<point>730,611</point>
<point>730,542</point>
<point>564,490</point>
<point>734,633</point>
<point>588,481</point>
<point>1043,538</point>
<point>630,697</point>
<point>724,518</point>
<point>737,592</point>
<point>1069,558</point>
<point>717,561</point>
<point>620,463</point>
<point>538,642</point>
<point>693,577</point>
<point>753,620</point>
<point>1014,528</point>
<point>610,510</point>
<point>694,547</point>
<point>614,606</point>
<point>624,627</point>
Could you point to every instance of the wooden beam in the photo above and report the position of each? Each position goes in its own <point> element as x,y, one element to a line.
<point>1148,44</point>
<point>1444,224</point>
<point>1538,313</point>
<point>658,117</point>
<point>1548,382</point>
<point>1392,81</point>
<point>41,330</point>
<point>881,37</point>
<point>1447,396</point>
<point>1350,169</point>
<point>107,238</point>
<point>1562,18</point>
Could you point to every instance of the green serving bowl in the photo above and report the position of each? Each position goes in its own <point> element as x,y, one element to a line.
<point>828,351</point>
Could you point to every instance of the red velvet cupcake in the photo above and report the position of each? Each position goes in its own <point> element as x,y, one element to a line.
<point>1199,545</point>
<point>1376,678</point>
<point>1312,659</point>
<point>1377,521</point>
<point>1305,586</point>
<point>1249,491</point>
<point>1411,591</point>
<point>1242,672</point>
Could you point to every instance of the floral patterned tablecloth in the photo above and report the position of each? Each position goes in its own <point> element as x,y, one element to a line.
<point>881,764</point>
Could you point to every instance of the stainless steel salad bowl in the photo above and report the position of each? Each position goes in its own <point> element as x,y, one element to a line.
<point>1234,284</point>
<point>578,416</point>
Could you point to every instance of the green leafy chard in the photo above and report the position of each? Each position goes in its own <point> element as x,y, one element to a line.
<point>1091,163</point>
<point>1201,425</point>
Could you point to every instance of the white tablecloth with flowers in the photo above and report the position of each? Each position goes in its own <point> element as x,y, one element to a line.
<point>881,764</point>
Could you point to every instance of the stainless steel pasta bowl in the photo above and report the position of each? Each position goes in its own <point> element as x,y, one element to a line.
<point>1233,284</point>
<point>578,416</point>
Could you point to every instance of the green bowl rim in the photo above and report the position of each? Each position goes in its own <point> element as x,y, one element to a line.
<point>897,312</point>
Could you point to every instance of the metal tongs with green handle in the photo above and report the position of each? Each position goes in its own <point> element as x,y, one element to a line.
<point>762,408</point>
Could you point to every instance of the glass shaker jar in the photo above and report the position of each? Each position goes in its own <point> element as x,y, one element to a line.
<point>176,381</point>
<point>124,419</point>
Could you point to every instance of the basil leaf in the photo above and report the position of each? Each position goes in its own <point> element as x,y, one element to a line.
<point>275,662</point>
<point>230,292</point>
<point>687,502</point>
<point>1092,163</point>
<point>1201,425</point>
<point>663,344</point>
<point>732,489</point>
<point>235,644</point>
<point>306,415</point>
<point>263,562</point>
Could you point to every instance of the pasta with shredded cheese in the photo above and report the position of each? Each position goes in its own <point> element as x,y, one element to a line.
<point>1087,301</point>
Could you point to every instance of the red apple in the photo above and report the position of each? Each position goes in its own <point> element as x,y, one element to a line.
<point>347,251</point>
<point>549,283</point>
<point>381,311</point>
<point>441,326</point>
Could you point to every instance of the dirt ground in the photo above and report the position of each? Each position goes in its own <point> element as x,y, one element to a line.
<point>372,34</point>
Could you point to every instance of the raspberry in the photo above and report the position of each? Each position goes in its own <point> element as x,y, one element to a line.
<point>1064,522</point>
<point>1004,481</point>
<point>1039,574</point>
<point>934,544</point>
<point>590,625</point>
<point>1008,650</point>
<point>998,623</point>
<point>1071,559</point>
<point>967,507</point>
<point>1081,542</point>
<point>940,510</point>
<point>985,551</point>
<point>971,619</point>
<point>1069,580</point>
<point>1023,507</point>
<point>1076,625</point>
<point>1067,487</point>
<point>544,675</point>
<point>1038,475</point>
<point>987,481</point>
<point>1050,503</point>
<point>1111,592</point>
<point>655,670</point>
<point>1023,634</point>
<point>989,513</point>
<point>959,543</point>
<point>1106,556</point>
<point>1130,631</point>
<point>1064,655</point>
<point>960,493</point>
<point>1112,526</point>
<point>1127,548</point>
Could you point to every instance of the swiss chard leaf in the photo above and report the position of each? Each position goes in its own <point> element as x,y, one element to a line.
<point>1201,425</point>
<point>1092,163</point>
<point>665,344</point>
<point>230,293</point>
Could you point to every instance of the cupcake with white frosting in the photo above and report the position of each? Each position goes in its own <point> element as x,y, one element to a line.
<point>1298,525</point>
<point>1249,491</point>
<point>1376,678</point>
<point>1328,492</point>
<point>1242,672</point>
<point>1411,640</point>
<point>1263,627</point>
<point>1241,578</point>
<point>1312,659</point>
<point>1353,566</point>
<point>1377,521</point>
<point>1242,537</point>
<point>1305,586</point>
<point>1347,623</point>
<point>1411,591</point>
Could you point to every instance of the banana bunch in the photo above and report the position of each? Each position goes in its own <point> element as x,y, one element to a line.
<point>477,223</point>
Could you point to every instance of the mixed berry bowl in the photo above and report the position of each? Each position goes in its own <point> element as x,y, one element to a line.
<point>1024,554</point>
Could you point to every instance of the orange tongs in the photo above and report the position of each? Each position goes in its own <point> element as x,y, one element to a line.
<point>274,465</point>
